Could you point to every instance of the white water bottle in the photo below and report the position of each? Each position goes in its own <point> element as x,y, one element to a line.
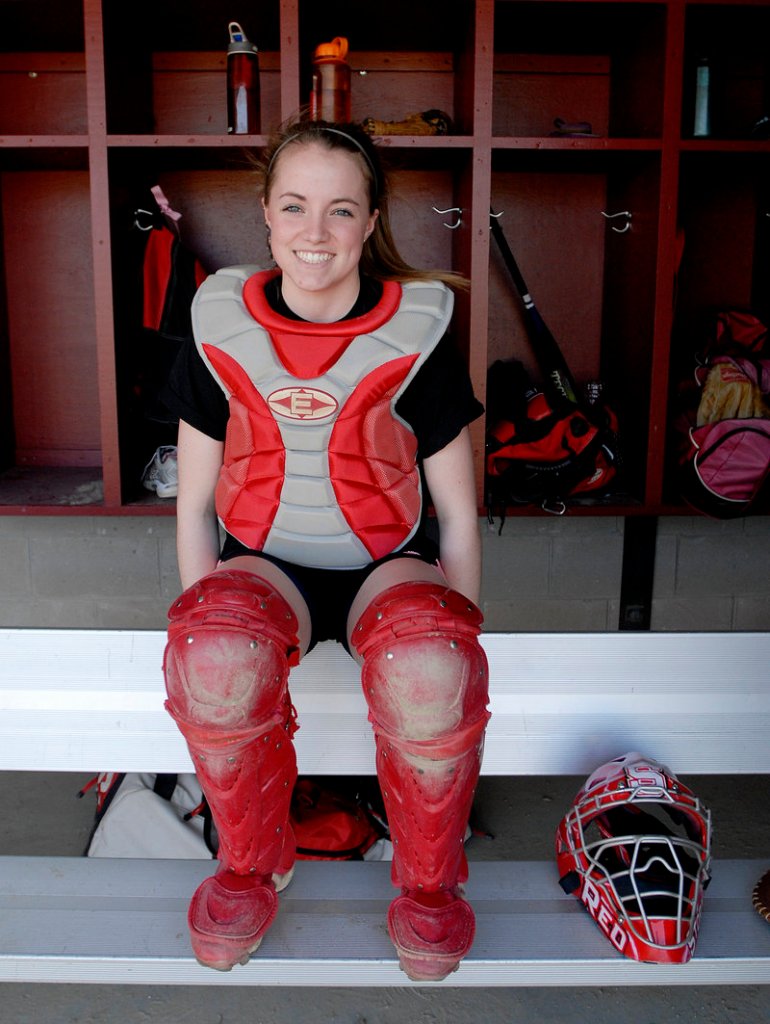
<point>702,121</point>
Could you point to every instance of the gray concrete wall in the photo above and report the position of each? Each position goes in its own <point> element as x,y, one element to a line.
<point>540,574</point>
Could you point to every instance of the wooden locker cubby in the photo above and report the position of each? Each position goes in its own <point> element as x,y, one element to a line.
<point>99,100</point>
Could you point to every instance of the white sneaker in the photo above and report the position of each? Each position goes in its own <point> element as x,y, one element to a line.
<point>160,473</point>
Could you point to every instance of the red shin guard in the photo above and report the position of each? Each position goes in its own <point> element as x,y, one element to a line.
<point>226,665</point>
<point>426,681</point>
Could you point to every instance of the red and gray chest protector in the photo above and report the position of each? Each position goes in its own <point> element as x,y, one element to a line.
<point>318,469</point>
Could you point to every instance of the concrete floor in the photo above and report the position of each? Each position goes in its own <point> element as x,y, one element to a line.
<point>42,816</point>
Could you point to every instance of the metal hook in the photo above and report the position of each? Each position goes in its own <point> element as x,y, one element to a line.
<point>497,216</point>
<point>623,213</point>
<point>452,209</point>
<point>144,226</point>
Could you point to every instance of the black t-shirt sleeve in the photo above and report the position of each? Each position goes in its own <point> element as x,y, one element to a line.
<point>194,395</point>
<point>439,400</point>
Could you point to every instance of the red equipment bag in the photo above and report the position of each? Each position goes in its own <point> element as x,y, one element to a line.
<point>332,823</point>
<point>538,452</point>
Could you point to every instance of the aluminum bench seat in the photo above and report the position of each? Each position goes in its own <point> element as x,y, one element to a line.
<point>92,700</point>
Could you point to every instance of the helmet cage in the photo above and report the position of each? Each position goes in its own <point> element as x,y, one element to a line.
<point>635,850</point>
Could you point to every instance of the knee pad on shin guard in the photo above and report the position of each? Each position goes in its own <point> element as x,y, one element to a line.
<point>231,640</point>
<point>425,679</point>
<point>425,675</point>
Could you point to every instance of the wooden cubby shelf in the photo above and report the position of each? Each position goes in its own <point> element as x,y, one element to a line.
<point>100,100</point>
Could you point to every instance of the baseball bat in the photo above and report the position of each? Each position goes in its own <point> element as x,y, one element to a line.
<point>559,382</point>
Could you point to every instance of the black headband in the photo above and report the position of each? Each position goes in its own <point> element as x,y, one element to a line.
<point>344,135</point>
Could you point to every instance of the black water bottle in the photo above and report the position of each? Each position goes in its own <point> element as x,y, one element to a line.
<point>242,84</point>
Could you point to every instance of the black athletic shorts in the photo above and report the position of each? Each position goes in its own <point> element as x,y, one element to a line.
<point>329,593</point>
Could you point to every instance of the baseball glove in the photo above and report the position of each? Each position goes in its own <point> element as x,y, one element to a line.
<point>761,896</point>
<point>429,122</point>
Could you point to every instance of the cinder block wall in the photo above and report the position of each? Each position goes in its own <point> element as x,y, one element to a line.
<point>540,574</point>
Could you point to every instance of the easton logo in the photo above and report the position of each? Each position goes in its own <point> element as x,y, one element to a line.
<point>302,403</point>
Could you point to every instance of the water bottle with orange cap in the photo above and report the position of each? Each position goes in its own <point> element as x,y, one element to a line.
<point>330,91</point>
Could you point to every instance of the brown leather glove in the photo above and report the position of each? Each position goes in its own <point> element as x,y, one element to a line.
<point>429,122</point>
<point>761,896</point>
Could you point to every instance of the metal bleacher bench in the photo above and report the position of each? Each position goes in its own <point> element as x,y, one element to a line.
<point>92,700</point>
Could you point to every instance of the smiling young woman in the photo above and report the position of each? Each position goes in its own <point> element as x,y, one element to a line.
<point>317,213</point>
<point>322,407</point>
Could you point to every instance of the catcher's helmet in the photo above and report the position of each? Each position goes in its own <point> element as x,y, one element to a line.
<point>635,848</point>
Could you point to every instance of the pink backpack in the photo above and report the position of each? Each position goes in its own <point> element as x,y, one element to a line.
<point>724,458</point>
<point>726,466</point>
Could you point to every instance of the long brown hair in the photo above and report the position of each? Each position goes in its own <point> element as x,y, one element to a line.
<point>380,257</point>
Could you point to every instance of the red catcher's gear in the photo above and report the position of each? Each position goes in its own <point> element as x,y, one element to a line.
<point>425,679</point>
<point>318,467</point>
<point>635,849</point>
<point>231,640</point>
